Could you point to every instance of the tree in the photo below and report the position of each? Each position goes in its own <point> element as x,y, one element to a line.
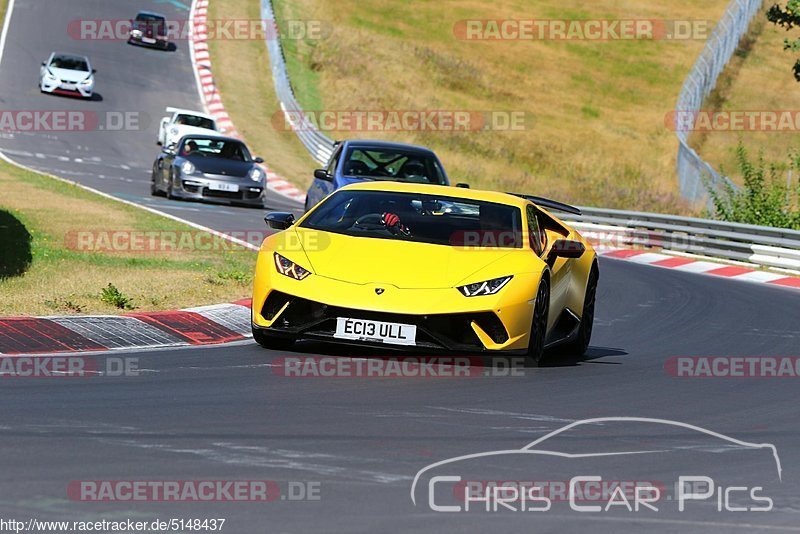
<point>788,18</point>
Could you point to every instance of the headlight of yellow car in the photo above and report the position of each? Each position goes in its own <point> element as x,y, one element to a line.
<point>489,287</point>
<point>289,268</point>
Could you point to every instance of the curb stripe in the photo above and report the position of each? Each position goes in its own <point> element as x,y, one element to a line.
<point>691,265</point>
<point>788,282</point>
<point>730,271</point>
<point>209,94</point>
<point>19,335</point>
<point>624,253</point>
<point>190,326</point>
<point>673,262</point>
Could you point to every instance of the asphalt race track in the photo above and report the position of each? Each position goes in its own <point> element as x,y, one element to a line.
<point>227,413</point>
<point>130,79</point>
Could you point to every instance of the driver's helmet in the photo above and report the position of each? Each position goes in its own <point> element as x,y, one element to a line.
<point>356,167</point>
<point>411,168</point>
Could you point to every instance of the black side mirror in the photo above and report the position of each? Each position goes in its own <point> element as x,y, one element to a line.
<point>322,174</point>
<point>279,220</point>
<point>94,71</point>
<point>567,248</point>
<point>462,185</point>
<point>259,160</point>
<point>44,63</point>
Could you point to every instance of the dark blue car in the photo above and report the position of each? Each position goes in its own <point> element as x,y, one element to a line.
<point>358,161</point>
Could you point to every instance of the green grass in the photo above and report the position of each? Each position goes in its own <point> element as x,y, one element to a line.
<point>758,78</point>
<point>599,136</point>
<point>43,272</point>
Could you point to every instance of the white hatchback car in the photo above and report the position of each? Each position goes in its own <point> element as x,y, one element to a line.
<point>67,74</point>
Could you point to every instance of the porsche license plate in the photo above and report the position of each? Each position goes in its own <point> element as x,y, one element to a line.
<point>148,40</point>
<point>376,331</point>
<point>231,188</point>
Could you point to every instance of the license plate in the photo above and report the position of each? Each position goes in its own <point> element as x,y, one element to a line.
<point>376,331</point>
<point>231,188</point>
<point>148,40</point>
<point>68,86</point>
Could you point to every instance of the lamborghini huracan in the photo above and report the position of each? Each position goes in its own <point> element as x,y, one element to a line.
<point>426,267</point>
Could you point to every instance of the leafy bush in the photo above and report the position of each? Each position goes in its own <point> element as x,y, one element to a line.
<point>765,199</point>
<point>235,275</point>
<point>112,295</point>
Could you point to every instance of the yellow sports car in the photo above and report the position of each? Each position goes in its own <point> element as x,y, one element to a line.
<point>424,267</point>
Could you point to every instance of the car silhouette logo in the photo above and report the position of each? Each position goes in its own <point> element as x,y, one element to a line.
<point>379,290</point>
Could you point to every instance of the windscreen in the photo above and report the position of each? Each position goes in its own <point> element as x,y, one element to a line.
<point>69,63</point>
<point>215,148</point>
<point>393,164</point>
<point>423,218</point>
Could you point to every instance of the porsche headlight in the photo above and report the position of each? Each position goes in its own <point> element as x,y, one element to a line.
<point>289,268</point>
<point>87,81</point>
<point>488,287</point>
<point>136,33</point>
<point>50,76</point>
<point>256,174</point>
<point>187,167</point>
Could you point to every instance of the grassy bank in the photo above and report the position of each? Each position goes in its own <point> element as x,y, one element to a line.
<point>49,266</point>
<point>759,78</point>
<point>596,130</point>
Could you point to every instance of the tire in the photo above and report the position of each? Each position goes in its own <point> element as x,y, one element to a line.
<point>170,194</point>
<point>272,342</point>
<point>578,346</point>
<point>533,357</point>
<point>154,191</point>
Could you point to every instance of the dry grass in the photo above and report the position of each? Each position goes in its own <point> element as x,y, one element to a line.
<point>243,76</point>
<point>760,79</point>
<point>58,278</point>
<point>598,135</point>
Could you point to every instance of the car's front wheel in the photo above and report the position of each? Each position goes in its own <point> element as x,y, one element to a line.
<point>541,309</point>
<point>269,341</point>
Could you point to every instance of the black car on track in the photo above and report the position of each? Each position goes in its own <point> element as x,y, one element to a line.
<point>149,29</point>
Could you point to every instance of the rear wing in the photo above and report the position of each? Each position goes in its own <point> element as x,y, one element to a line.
<point>550,204</point>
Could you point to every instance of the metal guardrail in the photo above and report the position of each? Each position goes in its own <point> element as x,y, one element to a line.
<point>762,246</point>
<point>318,144</point>
<point>698,85</point>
